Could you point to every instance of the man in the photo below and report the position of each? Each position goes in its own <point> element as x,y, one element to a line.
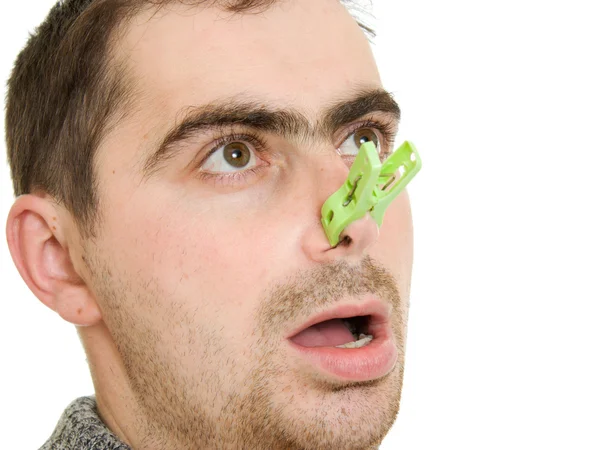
<point>171,160</point>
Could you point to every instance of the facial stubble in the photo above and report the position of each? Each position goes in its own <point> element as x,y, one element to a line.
<point>180,410</point>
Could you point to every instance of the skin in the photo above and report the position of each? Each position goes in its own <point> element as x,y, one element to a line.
<point>185,296</point>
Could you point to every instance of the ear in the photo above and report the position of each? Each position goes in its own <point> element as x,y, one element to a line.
<point>39,248</point>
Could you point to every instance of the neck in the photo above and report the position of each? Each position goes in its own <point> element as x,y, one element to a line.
<point>117,406</point>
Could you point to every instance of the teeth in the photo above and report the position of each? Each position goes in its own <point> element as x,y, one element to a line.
<point>364,339</point>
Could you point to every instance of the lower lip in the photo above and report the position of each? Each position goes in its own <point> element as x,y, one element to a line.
<point>354,364</point>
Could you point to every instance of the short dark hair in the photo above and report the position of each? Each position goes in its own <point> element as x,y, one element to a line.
<point>65,92</point>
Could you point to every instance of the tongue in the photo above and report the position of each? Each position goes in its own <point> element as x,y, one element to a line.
<point>325,334</point>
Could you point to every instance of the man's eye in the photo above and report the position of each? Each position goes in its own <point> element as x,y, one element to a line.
<point>352,144</point>
<point>230,158</point>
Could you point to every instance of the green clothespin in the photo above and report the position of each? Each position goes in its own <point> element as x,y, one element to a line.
<point>369,188</point>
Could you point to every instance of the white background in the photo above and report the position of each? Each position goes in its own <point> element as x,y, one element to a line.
<point>502,99</point>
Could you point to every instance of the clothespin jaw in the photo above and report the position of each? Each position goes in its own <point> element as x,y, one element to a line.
<point>401,167</point>
<point>369,187</point>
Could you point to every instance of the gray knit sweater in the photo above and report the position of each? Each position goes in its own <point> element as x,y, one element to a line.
<point>80,428</point>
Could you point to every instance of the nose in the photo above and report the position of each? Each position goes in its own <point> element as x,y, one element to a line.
<point>355,239</point>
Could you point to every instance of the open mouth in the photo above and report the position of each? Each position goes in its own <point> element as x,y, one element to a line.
<point>347,326</point>
<point>349,342</point>
<point>348,332</point>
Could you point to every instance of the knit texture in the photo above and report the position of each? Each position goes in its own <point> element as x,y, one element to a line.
<point>80,428</point>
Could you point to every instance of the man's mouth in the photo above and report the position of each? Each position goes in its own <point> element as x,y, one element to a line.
<point>349,332</point>
<point>352,342</point>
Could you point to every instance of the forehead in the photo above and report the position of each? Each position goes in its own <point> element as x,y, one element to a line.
<point>299,53</point>
<point>198,54</point>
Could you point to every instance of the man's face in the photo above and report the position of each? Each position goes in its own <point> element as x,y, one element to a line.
<point>204,263</point>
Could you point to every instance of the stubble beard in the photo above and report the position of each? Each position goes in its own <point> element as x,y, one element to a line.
<point>175,410</point>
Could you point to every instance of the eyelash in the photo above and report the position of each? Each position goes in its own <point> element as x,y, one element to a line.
<point>386,129</point>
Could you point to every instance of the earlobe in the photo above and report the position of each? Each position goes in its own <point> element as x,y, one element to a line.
<point>76,308</point>
<point>41,254</point>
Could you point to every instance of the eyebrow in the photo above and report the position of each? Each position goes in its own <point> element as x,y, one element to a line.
<point>287,122</point>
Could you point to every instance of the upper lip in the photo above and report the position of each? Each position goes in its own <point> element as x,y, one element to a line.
<point>380,314</point>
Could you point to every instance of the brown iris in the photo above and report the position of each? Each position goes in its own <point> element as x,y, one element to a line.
<point>363,135</point>
<point>237,154</point>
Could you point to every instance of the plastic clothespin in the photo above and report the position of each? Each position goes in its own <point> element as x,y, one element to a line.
<point>369,187</point>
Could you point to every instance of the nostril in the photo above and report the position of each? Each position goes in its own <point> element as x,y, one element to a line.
<point>345,242</point>
<point>359,235</point>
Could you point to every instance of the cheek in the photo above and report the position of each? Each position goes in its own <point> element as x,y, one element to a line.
<point>220,261</point>
<point>164,235</point>
<point>225,264</point>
